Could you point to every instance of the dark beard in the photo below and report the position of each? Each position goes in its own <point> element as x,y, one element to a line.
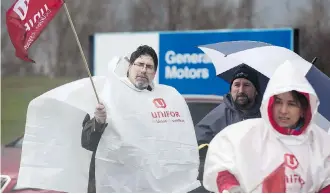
<point>242,104</point>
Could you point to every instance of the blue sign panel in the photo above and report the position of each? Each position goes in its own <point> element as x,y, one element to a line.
<point>184,66</point>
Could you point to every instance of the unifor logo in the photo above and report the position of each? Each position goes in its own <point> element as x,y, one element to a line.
<point>21,8</point>
<point>159,103</point>
<point>291,161</point>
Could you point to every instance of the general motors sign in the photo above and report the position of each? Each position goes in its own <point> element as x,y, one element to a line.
<point>181,63</point>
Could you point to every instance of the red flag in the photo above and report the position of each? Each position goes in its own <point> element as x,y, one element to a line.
<point>26,19</point>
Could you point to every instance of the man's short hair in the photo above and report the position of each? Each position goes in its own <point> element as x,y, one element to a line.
<point>144,50</point>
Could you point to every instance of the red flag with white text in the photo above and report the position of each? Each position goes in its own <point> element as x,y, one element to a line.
<point>26,19</point>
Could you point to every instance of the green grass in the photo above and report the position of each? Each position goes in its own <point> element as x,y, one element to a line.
<point>16,93</point>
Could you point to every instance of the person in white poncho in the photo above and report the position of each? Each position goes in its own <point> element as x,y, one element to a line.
<point>140,75</point>
<point>284,151</point>
<point>140,138</point>
<point>144,62</point>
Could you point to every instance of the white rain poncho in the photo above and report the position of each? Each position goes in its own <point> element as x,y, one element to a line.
<point>149,144</point>
<point>252,150</point>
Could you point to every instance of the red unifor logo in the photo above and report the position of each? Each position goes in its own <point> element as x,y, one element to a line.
<point>291,161</point>
<point>21,8</point>
<point>159,103</point>
<point>164,116</point>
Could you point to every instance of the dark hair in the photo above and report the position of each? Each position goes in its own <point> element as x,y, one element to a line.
<point>144,50</point>
<point>301,98</point>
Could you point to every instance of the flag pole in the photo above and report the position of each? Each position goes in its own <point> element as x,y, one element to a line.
<point>81,50</point>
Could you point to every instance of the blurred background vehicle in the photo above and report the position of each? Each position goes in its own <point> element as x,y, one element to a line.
<point>200,105</point>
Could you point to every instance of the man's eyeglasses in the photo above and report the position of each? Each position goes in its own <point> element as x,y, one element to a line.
<point>149,68</point>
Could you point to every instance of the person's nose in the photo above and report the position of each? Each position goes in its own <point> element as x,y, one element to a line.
<point>284,109</point>
<point>240,89</point>
<point>144,69</point>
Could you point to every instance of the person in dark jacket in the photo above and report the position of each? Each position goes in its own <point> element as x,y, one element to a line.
<point>91,135</point>
<point>242,102</point>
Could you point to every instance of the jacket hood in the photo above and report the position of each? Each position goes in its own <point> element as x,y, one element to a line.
<point>119,67</point>
<point>288,77</point>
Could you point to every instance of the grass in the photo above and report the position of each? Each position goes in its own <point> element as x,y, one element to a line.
<point>16,93</point>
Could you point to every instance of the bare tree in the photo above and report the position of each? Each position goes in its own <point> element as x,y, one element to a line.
<point>56,52</point>
<point>145,15</point>
<point>215,15</point>
<point>91,18</point>
<point>245,13</point>
<point>173,12</point>
<point>10,64</point>
<point>180,15</point>
<point>314,33</point>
